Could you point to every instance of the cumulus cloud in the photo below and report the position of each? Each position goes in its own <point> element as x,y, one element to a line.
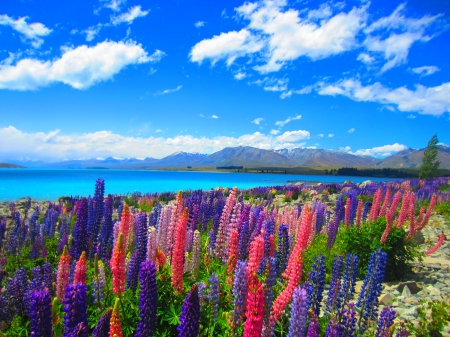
<point>92,31</point>
<point>281,35</point>
<point>425,70</point>
<point>288,120</point>
<point>31,32</point>
<point>330,135</point>
<point>199,24</point>
<point>128,17</point>
<point>351,130</point>
<point>425,100</point>
<point>215,117</point>
<point>365,58</point>
<point>412,116</point>
<point>168,91</point>
<point>56,146</point>
<point>403,32</point>
<point>228,46</point>
<point>80,67</point>
<point>274,132</point>
<point>257,121</point>
<point>381,151</point>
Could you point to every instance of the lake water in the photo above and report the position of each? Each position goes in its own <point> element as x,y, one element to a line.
<point>50,184</point>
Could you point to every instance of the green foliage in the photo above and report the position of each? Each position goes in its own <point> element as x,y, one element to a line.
<point>444,188</point>
<point>432,318</point>
<point>444,210</point>
<point>287,199</point>
<point>365,240</point>
<point>430,164</point>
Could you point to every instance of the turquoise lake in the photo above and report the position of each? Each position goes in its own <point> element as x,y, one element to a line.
<point>50,184</point>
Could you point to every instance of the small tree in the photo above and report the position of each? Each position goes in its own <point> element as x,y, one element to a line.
<point>430,164</point>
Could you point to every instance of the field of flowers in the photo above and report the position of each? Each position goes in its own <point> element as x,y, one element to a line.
<point>219,263</point>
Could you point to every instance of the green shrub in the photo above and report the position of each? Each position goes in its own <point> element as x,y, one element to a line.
<point>365,240</point>
<point>444,188</point>
<point>287,199</point>
<point>432,318</point>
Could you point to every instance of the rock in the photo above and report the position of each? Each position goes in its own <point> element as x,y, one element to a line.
<point>412,285</point>
<point>386,299</point>
<point>411,300</point>
<point>419,238</point>
<point>406,292</point>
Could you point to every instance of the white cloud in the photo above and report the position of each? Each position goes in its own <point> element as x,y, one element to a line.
<point>274,132</point>
<point>381,151</point>
<point>56,146</point>
<point>158,131</point>
<point>404,32</point>
<point>80,67</point>
<point>425,100</point>
<point>330,135</point>
<point>288,120</point>
<point>346,149</point>
<point>168,91</point>
<point>351,130</point>
<point>227,46</point>
<point>425,70</point>
<point>240,75</point>
<point>214,117</point>
<point>92,31</point>
<point>199,24</point>
<point>323,12</point>
<point>365,58</point>
<point>257,121</point>
<point>412,116</point>
<point>29,31</point>
<point>320,135</point>
<point>128,17</point>
<point>114,5</point>
<point>288,37</point>
<point>293,136</point>
<point>281,35</point>
<point>223,14</point>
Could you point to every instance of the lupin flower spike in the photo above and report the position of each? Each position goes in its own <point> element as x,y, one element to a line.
<point>115,324</point>
<point>117,264</point>
<point>62,279</point>
<point>80,270</point>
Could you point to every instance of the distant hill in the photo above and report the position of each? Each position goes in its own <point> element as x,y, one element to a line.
<point>326,158</point>
<point>252,157</point>
<point>7,165</point>
<point>411,158</point>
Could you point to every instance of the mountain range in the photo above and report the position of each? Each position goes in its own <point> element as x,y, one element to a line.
<point>253,157</point>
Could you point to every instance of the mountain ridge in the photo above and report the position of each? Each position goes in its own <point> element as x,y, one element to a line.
<point>248,156</point>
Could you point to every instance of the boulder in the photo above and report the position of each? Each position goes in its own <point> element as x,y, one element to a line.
<point>386,299</point>
<point>419,238</point>
<point>414,288</point>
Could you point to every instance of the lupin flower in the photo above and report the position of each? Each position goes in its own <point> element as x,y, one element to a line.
<point>299,313</point>
<point>332,329</point>
<point>350,274</point>
<point>151,245</point>
<point>314,326</point>
<point>214,295</point>
<point>348,321</point>
<point>178,252</point>
<point>125,223</point>
<point>102,328</point>
<point>133,272</point>
<point>80,270</point>
<point>283,248</point>
<point>62,278</point>
<point>80,230</point>
<point>148,300</point>
<point>117,265</point>
<point>371,288</point>
<point>115,324</point>
<point>387,316</point>
<point>255,309</point>
<point>358,213</point>
<point>233,252</point>
<point>333,300</point>
<point>239,294</point>
<point>387,200</point>
<point>75,308</point>
<point>196,254</point>
<point>437,245</point>
<point>142,234</point>
<point>271,279</point>
<point>160,258</point>
<point>255,256</point>
<point>348,205</point>
<point>40,313</point>
<point>190,314</point>
<point>316,284</point>
<point>374,211</point>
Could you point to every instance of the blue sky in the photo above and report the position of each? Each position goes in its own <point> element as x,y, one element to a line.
<point>122,78</point>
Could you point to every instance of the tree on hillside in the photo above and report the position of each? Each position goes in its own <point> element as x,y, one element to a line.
<point>430,164</point>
